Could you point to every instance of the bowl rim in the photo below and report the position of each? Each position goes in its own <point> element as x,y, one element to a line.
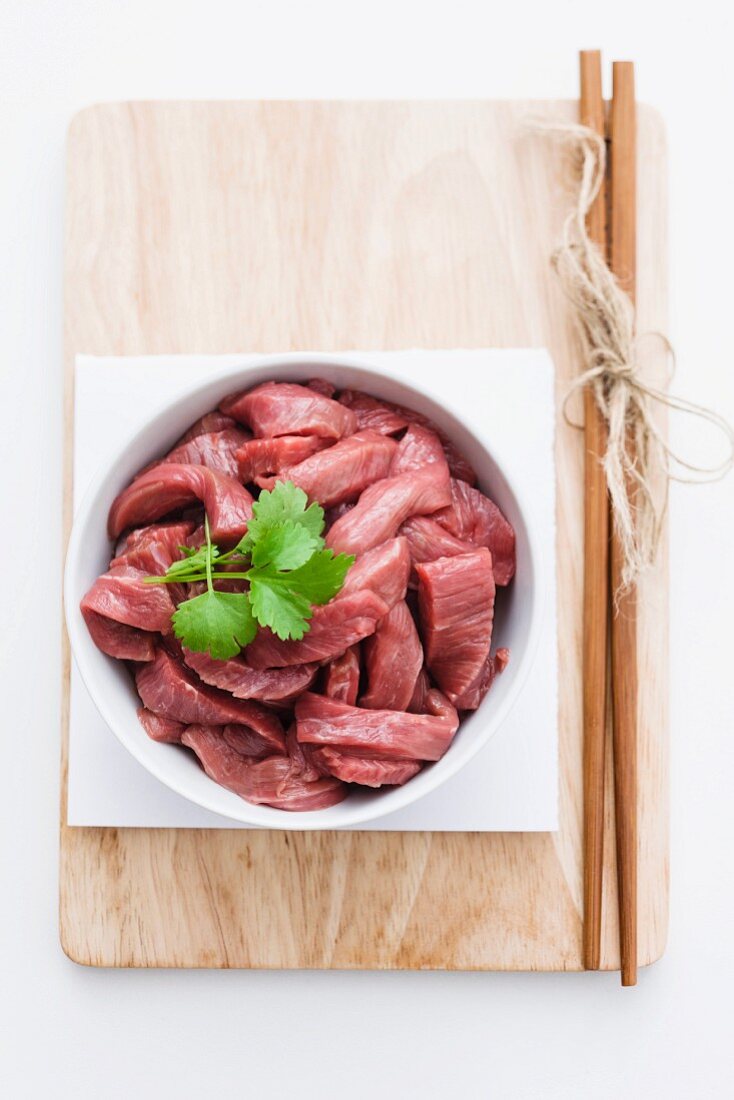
<point>254,815</point>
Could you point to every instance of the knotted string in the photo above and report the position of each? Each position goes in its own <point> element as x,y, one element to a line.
<point>636,451</point>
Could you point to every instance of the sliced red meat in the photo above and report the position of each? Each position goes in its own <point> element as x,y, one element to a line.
<point>437,704</point>
<point>456,607</point>
<point>320,385</point>
<point>333,628</point>
<point>417,704</point>
<point>428,540</point>
<point>270,456</point>
<point>341,472</point>
<point>382,508</point>
<point>368,772</point>
<point>123,595</point>
<point>459,466</point>
<point>301,757</point>
<point>247,742</point>
<point>171,690</point>
<point>501,659</point>
<point>270,781</point>
<point>117,640</point>
<point>472,697</point>
<point>215,450</point>
<point>168,487</point>
<point>285,408</point>
<point>160,729</point>
<point>408,509</point>
<point>475,518</point>
<point>342,677</point>
<point>394,734</point>
<point>210,422</point>
<point>393,658</point>
<point>373,414</point>
<point>383,570</point>
<point>269,685</point>
<point>418,447</point>
<point>152,549</point>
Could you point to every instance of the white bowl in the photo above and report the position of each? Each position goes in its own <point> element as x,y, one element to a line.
<point>517,616</point>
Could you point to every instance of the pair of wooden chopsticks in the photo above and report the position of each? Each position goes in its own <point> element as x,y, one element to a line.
<point>612,225</point>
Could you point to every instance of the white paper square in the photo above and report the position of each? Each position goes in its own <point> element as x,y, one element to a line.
<point>512,784</point>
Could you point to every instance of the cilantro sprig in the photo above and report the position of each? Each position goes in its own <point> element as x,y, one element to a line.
<point>288,569</point>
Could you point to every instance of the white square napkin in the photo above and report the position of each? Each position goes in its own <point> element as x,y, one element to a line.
<point>511,785</point>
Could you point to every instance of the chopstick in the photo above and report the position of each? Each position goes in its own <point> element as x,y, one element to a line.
<point>624,610</point>
<point>596,576</point>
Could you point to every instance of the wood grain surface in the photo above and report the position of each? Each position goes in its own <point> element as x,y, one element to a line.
<point>263,227</point>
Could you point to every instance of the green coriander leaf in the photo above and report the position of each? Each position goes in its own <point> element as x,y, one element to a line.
<point>283,601</point>
<point>321,577</point>
<point>284,502</point>
<point>218,623</point>
<point>286,545</point>
<point>286,613</point>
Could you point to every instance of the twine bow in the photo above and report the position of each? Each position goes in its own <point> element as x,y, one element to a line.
<point>636,451</point>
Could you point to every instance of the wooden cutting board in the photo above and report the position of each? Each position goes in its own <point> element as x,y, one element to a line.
<point>263,227</point>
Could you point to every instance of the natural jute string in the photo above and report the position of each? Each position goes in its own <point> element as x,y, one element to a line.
<point>636,451</point>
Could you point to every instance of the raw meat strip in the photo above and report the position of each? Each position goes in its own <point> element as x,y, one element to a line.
<point>472,697</point>
<point>170,486</point>
<point>285,408</point>
<point>428,540</point>
<point>341,472</point>
<point>152,549</point>
<point>359,769</point>
<point>418,447</point>
<point>458,464</point>
<point>270,781</point>
<point>342,677</point>
<point>373,414</point>
<point>171,690</point>
<point>160,729</point>
<point>393,658</point>
<point>270,456</point>
<point>320,385</point>
<point>215,450</point>
<point>382,508</point>
<point>334,628</point>
<point>501,659</point>
<point>456,606</point>
<point>247,742</point>
<point>269,685</point>
<point>437,704</point>
<point>383,570</point>
<point>123,595</point>
<point>117,640</point>
<point>301,756</point>
<point>417,704</point>
<point>475,518</point>
<point>388,733</point>
<point>210,422</point>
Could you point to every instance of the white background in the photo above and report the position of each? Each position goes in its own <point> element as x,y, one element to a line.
<point>66,1031</point>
